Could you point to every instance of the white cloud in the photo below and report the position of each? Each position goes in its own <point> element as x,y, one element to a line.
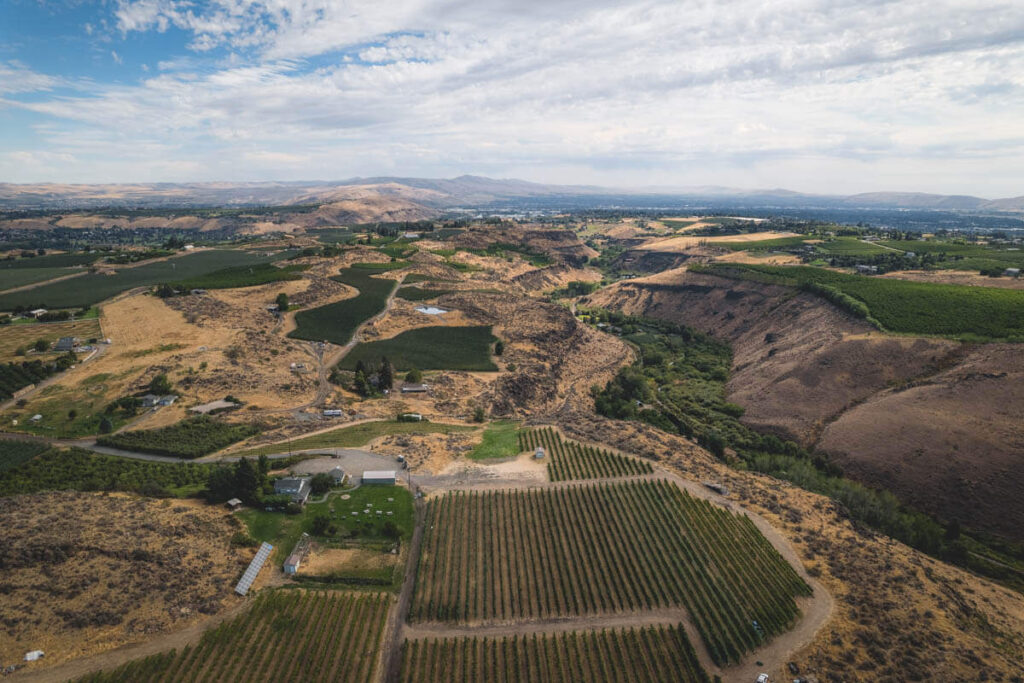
<point>706,91</point>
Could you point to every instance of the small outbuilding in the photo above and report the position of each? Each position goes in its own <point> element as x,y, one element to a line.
<point>38,313</point>
<point>539,453</point>
<point>332,412</point>
<point>383,477</point>
<point>1012,272</point>
<point>414,388</point>
<point>150,400</point>
<point>234,504</point>
<point>338,475</point>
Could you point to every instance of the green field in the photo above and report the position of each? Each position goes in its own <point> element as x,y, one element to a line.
<point>430,348</point>
<point>963,255</point>
<point>49,261</point>
<point>656,654</point>
<point>283,530</point>
<point>285,636</point>
<point>77,469</point>
<point>19,277</point>
<point>337,322</point>
<point>500,440</point>
<point>604,549</point>
<point>851,246</point>
<point>15,453</point>
<point>971,313</point>
<point>242,276</point>
<point>420,277</point>
<point>420,294</point>
<point>352,436</point>
<point>568,460</point>
<point>92,288</point>
<point>191,438</point>
<point>381,267</point>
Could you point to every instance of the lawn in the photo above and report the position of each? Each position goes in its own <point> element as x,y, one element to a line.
<point>430,348</point>
<point>337,322</point>
<point>354,435</point>
<point>92,288</point>
<point>501,440</point>
<point>283,530</point>
<point>420,294</point>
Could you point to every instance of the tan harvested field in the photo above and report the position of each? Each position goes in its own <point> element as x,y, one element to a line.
<point>13,337</point>
<point>956,277</point>
<point>756,257</point>
<point>681,244</point>
<point>87,572</point>
<point>321,561</point>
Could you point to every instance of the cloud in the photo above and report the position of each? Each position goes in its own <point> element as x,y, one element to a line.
<point>570,91</point>
<point>15,77</point>
<point>116,57</point>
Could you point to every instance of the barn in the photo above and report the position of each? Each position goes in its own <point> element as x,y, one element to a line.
<point>386,477</point>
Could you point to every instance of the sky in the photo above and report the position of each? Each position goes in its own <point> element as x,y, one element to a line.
<point>825,96</point>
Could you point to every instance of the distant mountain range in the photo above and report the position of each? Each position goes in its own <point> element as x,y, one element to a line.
<point>466,192</point>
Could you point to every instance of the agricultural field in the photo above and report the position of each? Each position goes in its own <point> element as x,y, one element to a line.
<point>15,453</point>
<point>420,294</point>
<point>191,438</point>
<point>661,654</point>
<point>14,337</point>
<point>430,348</point>
<point>284,636</point>
<point>606,548</point>
<point>242,276</point>
<point>352,436</point>
<point>337,322</point>
<point>77,469</point>
<point>17,376</point>
<point>49,261</point>
<point>970,313</point>
<point>420,277</point>
<point>93,288</point>
<point>500,440</point>
<point>568,460</point>
<point>758,245</point>
<point>381,267</point>
<point>19,277</point>
<point>851,246</point>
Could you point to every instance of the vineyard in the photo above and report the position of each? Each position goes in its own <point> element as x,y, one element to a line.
<point>604,548</point>
<point>570,460</point>
<point>337,322</point>
<point>284,636</point>
<point>190,438</point>
<point>81,470</point>
<point>662,653</point>
<point>430,348</point>
<point>241,276</point>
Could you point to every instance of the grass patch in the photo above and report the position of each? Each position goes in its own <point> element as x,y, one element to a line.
<point>969,313</point>
<point>420,294</point>
<point>242,276</point>
<point>501,440</point>
<point>337,322</point>
<point>77,469</point>
<point>430,348</point>
<point>354,435</point>
<point>190,438</point>
<point>92,288</point>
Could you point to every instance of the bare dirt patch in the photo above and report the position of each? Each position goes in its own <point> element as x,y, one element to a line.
<point>321,561</point>
<point>84,573</point>
<point>956,277</point>
<point>681,244</point>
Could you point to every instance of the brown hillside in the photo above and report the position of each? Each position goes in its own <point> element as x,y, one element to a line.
<point>803,369</point>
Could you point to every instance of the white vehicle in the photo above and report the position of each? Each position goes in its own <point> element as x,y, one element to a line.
<point>762,678</point>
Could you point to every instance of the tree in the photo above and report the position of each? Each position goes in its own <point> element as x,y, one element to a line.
<point>478,414</point>
<point>248,482</point>
<point>106,426</point>
<point>160,384</point>
<point>386,376</point>
<point>41,345</point>
<point>361,385</point>
<point>72,414</point>
<point>220,484</point>
<point>321,483</point>
<point>499,348</point>
<point>282,302</point>
<point>322,526</point>
<point>414,376</point>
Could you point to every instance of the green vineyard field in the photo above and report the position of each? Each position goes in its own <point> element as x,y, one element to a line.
<point>285,636</point>
<point>656,654</point>
<point>604,548</point>
<point>569,460</point>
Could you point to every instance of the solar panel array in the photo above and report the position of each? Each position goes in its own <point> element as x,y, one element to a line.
<point>254,568</point>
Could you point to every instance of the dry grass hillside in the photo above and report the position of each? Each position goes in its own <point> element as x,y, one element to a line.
<point>88,572</point>
<point>810,372</point>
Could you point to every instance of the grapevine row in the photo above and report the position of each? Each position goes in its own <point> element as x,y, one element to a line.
<point>283,636</point>
<point>655,653</point>
<point>569,460</point>
<point>507,556</point>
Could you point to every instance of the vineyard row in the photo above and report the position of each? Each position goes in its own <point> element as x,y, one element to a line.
<point>568,460</point>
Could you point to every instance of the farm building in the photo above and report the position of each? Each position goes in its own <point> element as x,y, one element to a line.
<point>167,400</point>
<point>39,312</point>
<point>150,400</point>
<point>338,475</point>
<point>294,561</point>
<point>296,487</point>
<point>387,477</point>
<point>1012,272</point>
<point>414,388</point>
<point>410,417</point>
<point>332,412</point>
<point>234,504</point>
<point>867,269</point>
<point>65,344</point>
